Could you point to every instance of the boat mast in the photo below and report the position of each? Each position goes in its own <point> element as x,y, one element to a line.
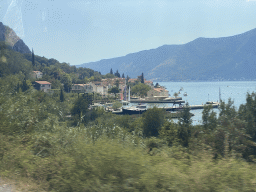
<point>129,96</point>
<point>219,95</point>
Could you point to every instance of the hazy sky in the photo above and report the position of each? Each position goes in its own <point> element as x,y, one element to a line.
<point>79,31</point>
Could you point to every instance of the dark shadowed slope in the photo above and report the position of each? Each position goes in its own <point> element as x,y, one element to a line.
<point>11,39</point>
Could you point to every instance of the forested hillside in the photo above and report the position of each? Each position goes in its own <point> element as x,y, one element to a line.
<point>14,63</point>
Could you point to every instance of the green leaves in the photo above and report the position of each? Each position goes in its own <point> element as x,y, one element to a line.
<point>209,118</point>
<point>140,89</point>
<point>153,119</point>
<point>113,90</point>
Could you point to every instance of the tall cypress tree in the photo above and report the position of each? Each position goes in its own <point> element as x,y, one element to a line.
<point>33,58</point>
<point>61,95</point>
<point>111,71</point>
<point>127,78</point>
<point>117,74</point>
<point>25,86</point>
<point>142,78</point>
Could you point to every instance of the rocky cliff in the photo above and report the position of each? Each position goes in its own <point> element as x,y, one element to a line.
<point>9,36</point>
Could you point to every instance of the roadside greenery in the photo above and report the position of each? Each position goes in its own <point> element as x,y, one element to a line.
<point>106,152</point>
<point>59,143</point>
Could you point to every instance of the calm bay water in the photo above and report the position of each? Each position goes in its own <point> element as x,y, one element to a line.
<point>201,92</point>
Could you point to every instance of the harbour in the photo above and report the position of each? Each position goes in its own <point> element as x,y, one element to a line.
<point>139,109</point>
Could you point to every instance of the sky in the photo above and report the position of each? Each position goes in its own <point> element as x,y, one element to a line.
<point>78,32</point>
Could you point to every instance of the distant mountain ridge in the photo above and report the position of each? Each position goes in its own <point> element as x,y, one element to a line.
<point>204,59</point>
<point>9,36</point>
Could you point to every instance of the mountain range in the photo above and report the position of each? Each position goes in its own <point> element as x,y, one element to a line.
<point>204,59</point>
<point>11,39</point>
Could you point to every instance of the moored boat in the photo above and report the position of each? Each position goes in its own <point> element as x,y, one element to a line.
<point>139,109</point>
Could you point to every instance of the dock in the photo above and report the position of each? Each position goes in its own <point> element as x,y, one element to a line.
<point>177,108</point>
<point>157,101</point>
<point>192,107</point>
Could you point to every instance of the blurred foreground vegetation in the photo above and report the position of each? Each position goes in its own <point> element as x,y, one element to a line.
<point>59,143</point>
<point>98,151</point>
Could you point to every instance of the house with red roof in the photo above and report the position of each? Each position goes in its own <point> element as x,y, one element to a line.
<point>44,86</point>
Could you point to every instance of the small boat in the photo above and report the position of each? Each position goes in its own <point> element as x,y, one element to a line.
<point>185,94</point>
<point>212,103</point>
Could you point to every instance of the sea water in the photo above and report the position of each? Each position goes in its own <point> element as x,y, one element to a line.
<point>200,92</point>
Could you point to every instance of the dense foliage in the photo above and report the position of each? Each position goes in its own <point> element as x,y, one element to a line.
<point>140,89</point>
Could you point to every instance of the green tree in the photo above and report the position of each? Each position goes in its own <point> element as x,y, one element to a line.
<point>247,112</point>
<point>117,74</point>
<point>111,71</point>
<point>113,90</point>
<point>123,75</point>
<point>209,118</point>
<point>25,86</point>
<point>140,89</point>
<point>169,132</point>
<point>117,83</point>
<point>33,58</point>
<point>185,123</point>
<point>61,95</point>
<point>116,105</point>
<point>227,113</point>
<point>142,78</point>
<point>67,81</point>
<point>153,119</point>
<point>108,75</point>
<point>80,107</point>
<point>127,78</point>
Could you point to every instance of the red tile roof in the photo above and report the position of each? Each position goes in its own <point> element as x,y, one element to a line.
<point>43,82</point>
<point>160,89</point>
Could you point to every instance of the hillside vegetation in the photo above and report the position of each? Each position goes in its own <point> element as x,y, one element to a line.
<point>94,150</point>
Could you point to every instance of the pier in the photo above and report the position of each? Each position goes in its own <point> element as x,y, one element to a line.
<point>177,100</point>
<point>157,101</point>
<point>192,107</point>
<point>173,108</point>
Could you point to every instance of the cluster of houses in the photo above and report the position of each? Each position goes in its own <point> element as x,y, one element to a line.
<point>102,86</point>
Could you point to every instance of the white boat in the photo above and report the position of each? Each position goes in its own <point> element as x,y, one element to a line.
<point>185,94</point>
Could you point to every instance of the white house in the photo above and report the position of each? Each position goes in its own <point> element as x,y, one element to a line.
<point>98,88</point>
<point>36,74</point>
<point>82,88</point>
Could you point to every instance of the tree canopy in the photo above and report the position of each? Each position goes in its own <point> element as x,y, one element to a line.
<point>140,89</point>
